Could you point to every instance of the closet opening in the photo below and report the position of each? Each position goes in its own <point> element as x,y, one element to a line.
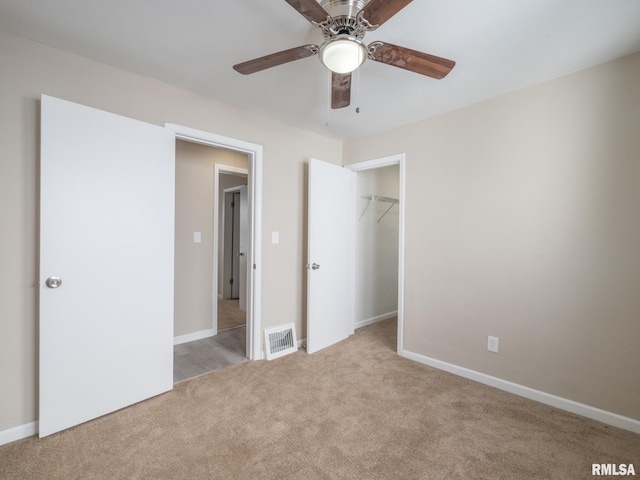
<point>379,242</point>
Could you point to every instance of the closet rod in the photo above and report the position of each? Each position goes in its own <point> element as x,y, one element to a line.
<point>378,198</point>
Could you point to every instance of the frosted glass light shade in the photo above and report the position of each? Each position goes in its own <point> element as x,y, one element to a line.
<point>343,54</point>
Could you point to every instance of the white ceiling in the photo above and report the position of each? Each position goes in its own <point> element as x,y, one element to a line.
<point>499,46</point>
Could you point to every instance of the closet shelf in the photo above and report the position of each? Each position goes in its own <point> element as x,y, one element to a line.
<point>378,198</point>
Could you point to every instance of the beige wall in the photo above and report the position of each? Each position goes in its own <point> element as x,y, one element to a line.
<point>194,289</point>
<point>30,69</point>
<point>522,222</point>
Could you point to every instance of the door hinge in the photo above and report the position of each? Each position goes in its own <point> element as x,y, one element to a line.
<point>231,281</point>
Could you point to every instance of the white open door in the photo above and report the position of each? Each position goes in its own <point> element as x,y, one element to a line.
<point>330,268</point>
<point>106,263</point>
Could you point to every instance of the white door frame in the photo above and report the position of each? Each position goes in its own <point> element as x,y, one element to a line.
<point>397,159</point>
<point>254,255</point>
<point>218,169</point>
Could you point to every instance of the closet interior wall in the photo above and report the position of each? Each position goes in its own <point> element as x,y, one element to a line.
<point>377,244</point>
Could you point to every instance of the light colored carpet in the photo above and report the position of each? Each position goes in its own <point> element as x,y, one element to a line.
<point>230,315</point>
<point>352,411</point>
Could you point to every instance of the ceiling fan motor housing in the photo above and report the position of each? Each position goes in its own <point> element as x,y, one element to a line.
<point>343,8</point>
<point>344,18</point>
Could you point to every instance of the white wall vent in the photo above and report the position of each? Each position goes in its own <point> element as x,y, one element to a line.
<point>280,340</point>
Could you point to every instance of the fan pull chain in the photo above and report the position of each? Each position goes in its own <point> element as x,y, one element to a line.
<point>358,92</point>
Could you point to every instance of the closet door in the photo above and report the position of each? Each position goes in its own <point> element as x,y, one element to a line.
<point>330,268</point>
<point>106,263</point>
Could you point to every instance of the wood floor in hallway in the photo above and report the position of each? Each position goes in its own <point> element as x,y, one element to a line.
<point>196,358</point>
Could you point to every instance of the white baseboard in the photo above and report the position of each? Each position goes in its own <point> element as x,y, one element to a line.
<point>18,433</point>
<point>588,411</point>
<point>626,423</point>
<point>190,337</point>
<point>372,320</point>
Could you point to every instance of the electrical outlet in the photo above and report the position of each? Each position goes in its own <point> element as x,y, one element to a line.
<point>492,344</point>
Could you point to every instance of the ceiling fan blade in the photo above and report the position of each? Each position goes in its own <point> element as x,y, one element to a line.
<point>376,12</point>
<point>340,90</point>
<point>309,9</point>
<point>412,60</point>
<point>275,59</point>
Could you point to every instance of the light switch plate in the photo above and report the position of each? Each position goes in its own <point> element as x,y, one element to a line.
<point>197,237</point>
<point>275,237</point>
<point>492,344</point>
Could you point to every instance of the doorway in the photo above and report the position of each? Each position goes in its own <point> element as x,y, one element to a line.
<point>254,154</point>
<point>232,260</point>
<point>229,284</point>
<point>380,242</point>
<point>330,274</point>
<point>202,172</point>
<point>204,339</point>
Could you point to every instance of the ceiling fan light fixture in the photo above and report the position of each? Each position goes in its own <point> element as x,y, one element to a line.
<point>343,53</point>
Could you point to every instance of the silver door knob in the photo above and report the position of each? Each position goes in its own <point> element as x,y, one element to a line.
<point>240,254</point>
<point>313,266</point>
<point>53,282</point>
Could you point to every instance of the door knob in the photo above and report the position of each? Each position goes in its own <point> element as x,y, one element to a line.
<point>313,266</point>
<point>240,254</point>
<point>53,282</point>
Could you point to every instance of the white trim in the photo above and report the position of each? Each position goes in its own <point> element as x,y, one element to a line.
<point>401,226</point>
<point>208,138</point>
<point>376,163</point>
<point>400,160</point>
<point>192,337</point>
<point>376,319</point>
<point>254,287</point>
<point>234,189</point>
<point>548,399</point>
<point>626,423</point>
<point>18,433</point>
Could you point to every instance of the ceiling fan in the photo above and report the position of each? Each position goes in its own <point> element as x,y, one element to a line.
<point>344,24</point>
